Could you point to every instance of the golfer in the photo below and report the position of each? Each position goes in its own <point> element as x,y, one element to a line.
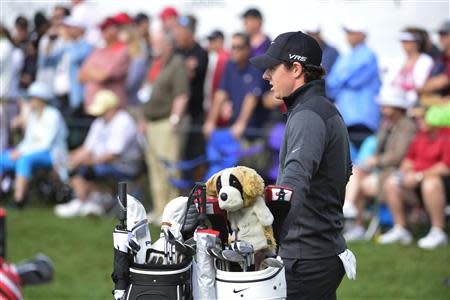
<point>315,163</point>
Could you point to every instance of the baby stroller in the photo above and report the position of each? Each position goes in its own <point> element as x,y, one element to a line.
<point>158,280</point>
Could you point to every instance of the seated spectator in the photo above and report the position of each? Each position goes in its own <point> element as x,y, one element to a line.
<point>439,83</point>
<point>354,83</point>
<point>393,137</point>
<point>417,67</point>
<point>169,83</point>
<point>329,53</point>
<point>427,167</point>
<point>253,22</point>
<point>44,144</point>
<point>109,151</point>
<point>241,90</point>
<point>106,68</point>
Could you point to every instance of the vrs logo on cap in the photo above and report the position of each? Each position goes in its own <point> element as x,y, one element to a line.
<point>297,57</point>
<point>290,47</point>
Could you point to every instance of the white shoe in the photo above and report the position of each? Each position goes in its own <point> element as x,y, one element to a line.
<point>349,210</point>
<point>396,234</point>
<point>93,206</point>
<point>435,238</point>
<point>355,233</point>
<point>69,209</point>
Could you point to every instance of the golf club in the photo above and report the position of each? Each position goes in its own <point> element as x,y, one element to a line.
<point>271,262</point>
<point>235,257</point>
<point>245,249</point>
<point>216,253</point>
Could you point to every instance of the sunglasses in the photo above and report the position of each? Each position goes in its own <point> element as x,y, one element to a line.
<point>238,47</point>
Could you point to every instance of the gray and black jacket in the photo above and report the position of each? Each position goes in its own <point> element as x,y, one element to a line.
<point>315,163</point>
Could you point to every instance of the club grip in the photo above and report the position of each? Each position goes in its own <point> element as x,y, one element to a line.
<point>122,194</point>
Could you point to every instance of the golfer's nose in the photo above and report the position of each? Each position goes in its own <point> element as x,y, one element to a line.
<point>266,75</point>
<point>223,197</point>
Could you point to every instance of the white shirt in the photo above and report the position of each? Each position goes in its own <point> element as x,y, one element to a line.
<point>119,137</point>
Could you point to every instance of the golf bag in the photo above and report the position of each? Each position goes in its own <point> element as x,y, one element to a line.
<point>157,281</point>
<point>268,283</point>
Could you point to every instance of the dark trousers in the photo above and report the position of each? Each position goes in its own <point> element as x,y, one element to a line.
<point>313,278</point>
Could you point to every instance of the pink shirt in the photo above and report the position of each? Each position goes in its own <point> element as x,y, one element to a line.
<point>113,60</point>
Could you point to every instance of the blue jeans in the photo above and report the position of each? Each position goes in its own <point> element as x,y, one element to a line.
<point>25,164</point>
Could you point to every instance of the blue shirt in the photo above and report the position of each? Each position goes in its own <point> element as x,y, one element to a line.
<point>78,52</point>
<point>329,57</point>
<point>237,83</point>
<point>354,83</point>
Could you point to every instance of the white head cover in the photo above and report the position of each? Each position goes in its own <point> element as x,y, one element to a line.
<point>173,215</point>
<point>135,212</point>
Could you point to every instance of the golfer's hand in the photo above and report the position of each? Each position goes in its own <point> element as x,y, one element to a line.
<point>237,130</point>
<point>15,154</point>
<point>208,128</point>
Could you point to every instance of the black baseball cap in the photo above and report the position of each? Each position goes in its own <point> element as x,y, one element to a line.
<point>252,12</point>
<point>215,34</point>
<point>290,47</point>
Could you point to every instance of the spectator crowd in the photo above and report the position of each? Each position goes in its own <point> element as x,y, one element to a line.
<point>104,102</point>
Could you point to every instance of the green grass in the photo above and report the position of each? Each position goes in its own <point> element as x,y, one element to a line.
<point>81,250</point>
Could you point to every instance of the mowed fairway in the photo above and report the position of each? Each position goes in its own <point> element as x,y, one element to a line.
<point>81,250</point>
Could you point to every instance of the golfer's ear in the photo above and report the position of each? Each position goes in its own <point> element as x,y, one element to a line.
<point>297,69</point>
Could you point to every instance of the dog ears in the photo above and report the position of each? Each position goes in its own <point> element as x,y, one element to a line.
<point>211,185</point>
<point>252,182</point>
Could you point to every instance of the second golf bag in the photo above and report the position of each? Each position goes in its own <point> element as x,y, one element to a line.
<point>166,272</point>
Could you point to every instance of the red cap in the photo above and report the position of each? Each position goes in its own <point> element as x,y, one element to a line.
<point>123,19</point>
<point>2,212</point>
<point>109,21</point>
<point>168,12</point>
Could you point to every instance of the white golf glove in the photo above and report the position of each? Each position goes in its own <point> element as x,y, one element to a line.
<point>119,294</point>
<point>349,261</point>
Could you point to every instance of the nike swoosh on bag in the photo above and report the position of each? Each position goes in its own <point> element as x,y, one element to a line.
<point>238,291</point>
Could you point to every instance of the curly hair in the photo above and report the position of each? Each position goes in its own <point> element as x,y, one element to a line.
<point>312,72</point>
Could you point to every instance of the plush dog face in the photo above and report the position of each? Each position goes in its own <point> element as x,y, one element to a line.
<point>230,191</point>
<point>235,187</point>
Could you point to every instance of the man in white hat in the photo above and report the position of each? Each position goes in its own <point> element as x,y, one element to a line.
<point>329,53</point>
<point>354,83</point>
<point>110,151</point>
<point>74,52</point>
<point>369,173</point>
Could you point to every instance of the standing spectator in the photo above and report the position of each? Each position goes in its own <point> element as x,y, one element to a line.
<point>109,151</point>
<point>217,59</point>
<point>196,60</point>
<point>440,82</point>
<point>329,53</point>
<point>169,19</point>
<point>22,40</point>
<point>88,11</point>
<point>43,146</point>
<point>253,21</point>
<point>106,68</point>
<point>142,23</point>
<point>21,37</point>
<point>392,140</point>
<point>418,65</point>
<point>354,83</point>
<point>170,90</point>
<point>53,35</point>
<point>138,58</point>
<point>426,166</point>
<point>6,76</point>
<point>74,53</point>
<point>242,87</point>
